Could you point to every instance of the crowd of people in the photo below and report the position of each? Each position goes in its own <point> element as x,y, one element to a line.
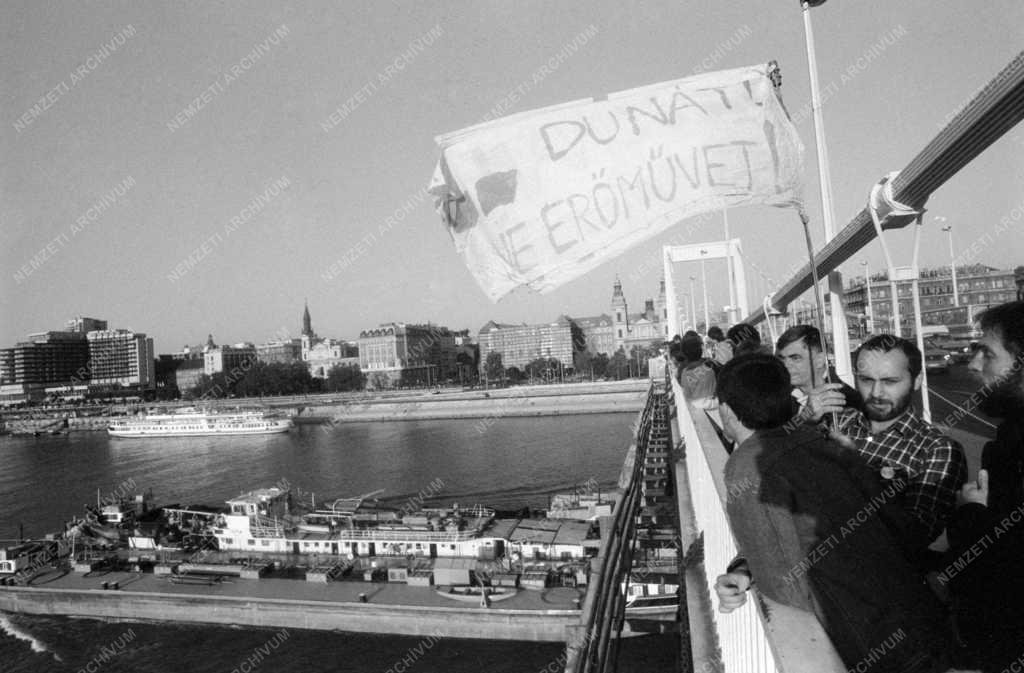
<point>846,503</point>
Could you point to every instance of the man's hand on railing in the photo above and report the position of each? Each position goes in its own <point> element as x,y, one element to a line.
<point>732,590</point>
<point>976,492</point>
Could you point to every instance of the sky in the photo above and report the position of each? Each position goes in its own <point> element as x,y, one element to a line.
<point>109,183</point>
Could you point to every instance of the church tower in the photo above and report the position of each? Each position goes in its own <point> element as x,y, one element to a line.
<point>307,322</point>
<point>308,335</point>
<point>620,315</point>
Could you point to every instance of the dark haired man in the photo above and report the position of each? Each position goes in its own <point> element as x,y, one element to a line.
<point>999,363</point>
<point>984,566</point>
<point>799,348</point>
<point>797,520</point>
<point>895,441</point>
<point>745,339</point>
<point>719,349</point>
<point>696,376</point>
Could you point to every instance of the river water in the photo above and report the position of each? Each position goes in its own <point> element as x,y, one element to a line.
<point>505,463</point>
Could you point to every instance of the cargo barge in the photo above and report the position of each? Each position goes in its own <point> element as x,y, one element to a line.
<point>352,564</point>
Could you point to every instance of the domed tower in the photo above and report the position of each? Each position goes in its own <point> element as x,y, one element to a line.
<point>620,315</point>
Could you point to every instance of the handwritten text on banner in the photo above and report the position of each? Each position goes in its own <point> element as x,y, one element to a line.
<point>542,197</point>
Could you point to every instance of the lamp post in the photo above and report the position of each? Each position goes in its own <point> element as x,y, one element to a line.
<point>952,259</point>
<point>728,268</point>
<point>867,291</point>
<point>704,284</point>
<point>693,304</point>
<point>840,340</point>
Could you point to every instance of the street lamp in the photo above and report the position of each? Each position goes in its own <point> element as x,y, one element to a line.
<point>952,259</point>
<point>685,313</point>
<point>704,283</point>
<point>867,291</point>
<point>693,305</point>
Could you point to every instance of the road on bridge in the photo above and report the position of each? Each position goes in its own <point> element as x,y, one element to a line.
<point>954,409</point>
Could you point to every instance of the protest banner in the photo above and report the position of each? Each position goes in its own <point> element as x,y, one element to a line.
<point>539,198</point>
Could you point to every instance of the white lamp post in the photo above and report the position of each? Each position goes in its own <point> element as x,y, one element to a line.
<point>952,258</point>
<point>693,304</point>
<point>704,283</point>
<point>840,341</point>
<point>867,291</point>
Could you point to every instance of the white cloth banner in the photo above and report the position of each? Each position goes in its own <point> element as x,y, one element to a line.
<point>542,197</point>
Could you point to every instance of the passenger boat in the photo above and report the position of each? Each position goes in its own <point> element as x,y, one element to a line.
<point>192,423</point>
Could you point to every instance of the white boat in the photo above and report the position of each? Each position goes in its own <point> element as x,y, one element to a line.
<point>192,423</point>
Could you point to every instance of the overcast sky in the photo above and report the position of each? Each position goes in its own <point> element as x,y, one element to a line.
<point>110,183</point>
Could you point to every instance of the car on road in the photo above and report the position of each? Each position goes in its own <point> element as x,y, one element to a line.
<point>936,360</point>
<point>961,350</point>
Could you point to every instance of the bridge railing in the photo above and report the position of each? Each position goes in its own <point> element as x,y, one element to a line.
<point>589,645</point>
<point>762,636</point>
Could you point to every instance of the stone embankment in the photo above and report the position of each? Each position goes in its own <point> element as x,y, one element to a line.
<point>490,405</point>
<point>547,400</point>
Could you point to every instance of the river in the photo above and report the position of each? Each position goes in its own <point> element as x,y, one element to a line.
<point>507,463</point>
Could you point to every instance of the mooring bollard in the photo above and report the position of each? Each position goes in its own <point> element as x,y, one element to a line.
<point>105,585</point>
<point>115,585</point>
<point>362,598</point>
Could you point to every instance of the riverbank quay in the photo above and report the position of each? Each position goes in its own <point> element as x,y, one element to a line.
<point>518,401</point>
<point>484,405</point>
<point>390,608</point>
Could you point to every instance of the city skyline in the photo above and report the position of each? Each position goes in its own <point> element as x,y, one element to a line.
<point>186,171</point>
<point>306,319</point>
<point>852,302</point>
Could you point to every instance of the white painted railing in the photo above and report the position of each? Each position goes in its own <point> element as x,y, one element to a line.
<point>789,640</point>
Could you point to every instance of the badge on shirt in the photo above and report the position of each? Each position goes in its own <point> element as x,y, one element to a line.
<point>888,472</point>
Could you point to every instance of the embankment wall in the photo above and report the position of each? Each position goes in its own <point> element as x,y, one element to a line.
<point>481,407</point>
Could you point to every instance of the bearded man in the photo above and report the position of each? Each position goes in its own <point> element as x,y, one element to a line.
<point>984,565</point>
<point>999,363</point>
<point>895,441</point>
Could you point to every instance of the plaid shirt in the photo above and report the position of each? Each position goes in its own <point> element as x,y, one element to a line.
<point>931,464</point>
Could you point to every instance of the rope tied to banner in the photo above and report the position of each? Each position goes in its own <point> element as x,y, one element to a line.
<point>887,212</point>
<point>768,304</point>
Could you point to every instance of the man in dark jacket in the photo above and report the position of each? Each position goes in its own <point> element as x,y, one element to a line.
<point>984,567</point>
<point>799,348</point>
<point>696,375</point>
<point>811,539</point>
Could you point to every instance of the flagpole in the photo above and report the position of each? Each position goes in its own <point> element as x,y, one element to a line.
<point>840,339</point>
<point>821,313</point>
